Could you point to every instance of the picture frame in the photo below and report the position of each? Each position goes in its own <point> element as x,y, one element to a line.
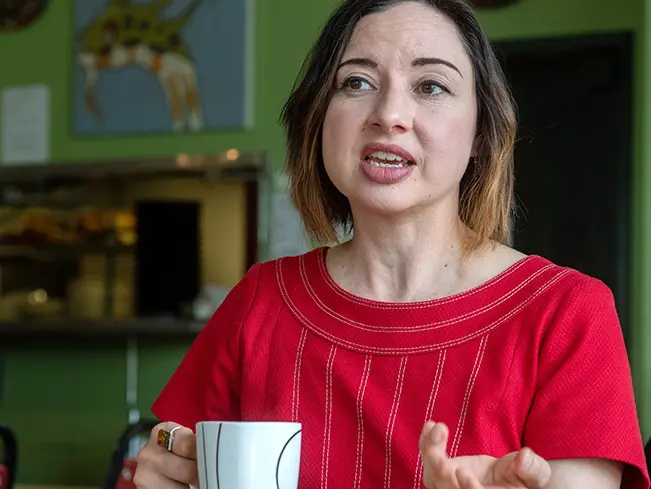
<point>162,66</point>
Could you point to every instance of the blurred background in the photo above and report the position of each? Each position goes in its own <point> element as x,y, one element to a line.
<point>140,178</point>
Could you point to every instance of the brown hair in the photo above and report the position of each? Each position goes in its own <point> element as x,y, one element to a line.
<point>486,193</point>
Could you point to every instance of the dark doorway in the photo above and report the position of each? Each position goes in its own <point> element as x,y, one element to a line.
<point>574,153</point>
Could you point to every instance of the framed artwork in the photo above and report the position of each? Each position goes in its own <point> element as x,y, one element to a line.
<point>162,66</point>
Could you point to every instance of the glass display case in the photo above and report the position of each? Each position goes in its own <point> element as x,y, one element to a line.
<point>149,246</point>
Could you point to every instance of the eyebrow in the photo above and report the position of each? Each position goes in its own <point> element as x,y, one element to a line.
<point>417,62</point>
<point>435,61</point>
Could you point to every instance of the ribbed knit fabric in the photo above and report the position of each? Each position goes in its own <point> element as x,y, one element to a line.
<point>533,357</point>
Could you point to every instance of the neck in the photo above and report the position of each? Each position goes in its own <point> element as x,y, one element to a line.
<point>400,260</point>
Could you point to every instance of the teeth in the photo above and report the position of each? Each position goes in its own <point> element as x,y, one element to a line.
<point>381,155</point>
<point>386,165</point>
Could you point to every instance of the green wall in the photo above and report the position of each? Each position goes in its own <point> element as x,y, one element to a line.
<point>66,400</point>
<point>544,18</point>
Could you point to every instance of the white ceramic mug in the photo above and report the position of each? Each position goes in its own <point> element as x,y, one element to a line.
<point>248,455</point>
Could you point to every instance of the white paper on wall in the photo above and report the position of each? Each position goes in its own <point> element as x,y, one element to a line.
<point>25,123</point>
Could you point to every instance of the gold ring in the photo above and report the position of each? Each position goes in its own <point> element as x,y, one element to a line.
<point>166,438</point>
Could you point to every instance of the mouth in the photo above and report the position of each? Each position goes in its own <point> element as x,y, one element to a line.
<point>387,156</point>
<point>386,160</point>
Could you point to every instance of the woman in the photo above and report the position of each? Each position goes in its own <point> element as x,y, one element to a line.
<point>403,125</point>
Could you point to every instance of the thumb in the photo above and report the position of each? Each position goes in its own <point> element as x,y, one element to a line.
<point>533,470</point>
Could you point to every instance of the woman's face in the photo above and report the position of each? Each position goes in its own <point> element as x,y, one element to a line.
<point>400,127</point>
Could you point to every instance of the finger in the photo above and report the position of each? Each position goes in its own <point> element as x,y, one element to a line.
<point>467,480</point>
<point>533,470</point>
<point>443,472</point>
<point>166,426</point>
<point>445,479</point>
<point>144,478</point>
<point>177,468</point>
<point>434,435</point>
<point>439,469</point>
<point>423,443</point>
<point>438,438</point>
<point>184,442</point>
<point>168,465</point>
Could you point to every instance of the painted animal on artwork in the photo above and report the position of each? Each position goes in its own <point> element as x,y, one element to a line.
<point>126,34</point>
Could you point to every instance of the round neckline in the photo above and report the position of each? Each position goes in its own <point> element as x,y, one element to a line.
<point>339,290</point>
<point>399,328</point>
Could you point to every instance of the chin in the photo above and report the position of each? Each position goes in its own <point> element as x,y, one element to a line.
<point>382,205</point>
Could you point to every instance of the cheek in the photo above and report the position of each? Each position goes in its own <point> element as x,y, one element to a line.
<point>450,131</point>
<point>340,131</point>
<point>448,141</point>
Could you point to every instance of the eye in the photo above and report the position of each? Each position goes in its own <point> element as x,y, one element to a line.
<point>431,88</point>
<point>356,84</point>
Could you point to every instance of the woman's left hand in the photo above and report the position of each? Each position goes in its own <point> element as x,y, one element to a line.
<point>517,470</point>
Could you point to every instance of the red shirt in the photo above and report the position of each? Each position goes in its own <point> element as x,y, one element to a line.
<point>533,357</point>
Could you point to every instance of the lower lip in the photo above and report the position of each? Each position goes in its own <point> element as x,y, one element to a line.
<point>385,174</point>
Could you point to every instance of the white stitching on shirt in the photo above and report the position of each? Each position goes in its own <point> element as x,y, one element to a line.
<point>466,399</point>
<point>418,474</point>
<point>413,349</point>
<point>392,421</point>
<point>360,421</point>
<point>421,304</point>
<point>419,327</point>
<point>297,374</point>
<point>325,457</point>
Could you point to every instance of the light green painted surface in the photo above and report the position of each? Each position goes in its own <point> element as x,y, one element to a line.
<point>67,403</point>
<point>544,18</point>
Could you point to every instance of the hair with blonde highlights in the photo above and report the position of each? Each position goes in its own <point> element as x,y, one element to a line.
<point>486,190</point>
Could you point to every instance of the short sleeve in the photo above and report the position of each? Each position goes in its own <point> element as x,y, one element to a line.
<point>584,406</point>
<point>206,384</point>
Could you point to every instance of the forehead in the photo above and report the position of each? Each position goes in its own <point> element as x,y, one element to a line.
<point>406,31</point>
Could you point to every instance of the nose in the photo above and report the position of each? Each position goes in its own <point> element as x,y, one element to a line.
<point>393,111</point>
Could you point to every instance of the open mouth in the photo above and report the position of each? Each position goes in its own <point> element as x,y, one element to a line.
<point>383,159</point>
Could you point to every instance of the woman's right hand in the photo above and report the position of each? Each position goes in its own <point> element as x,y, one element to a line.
<point>159,469</point>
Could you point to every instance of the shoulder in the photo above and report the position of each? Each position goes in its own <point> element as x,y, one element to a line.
<point>568,310</point>
<point>571,287</point>
<point>262,285</point>
<point>286,269</point>
<point>559,299</point>
<point>267,273</point>
<point>575,295</point>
